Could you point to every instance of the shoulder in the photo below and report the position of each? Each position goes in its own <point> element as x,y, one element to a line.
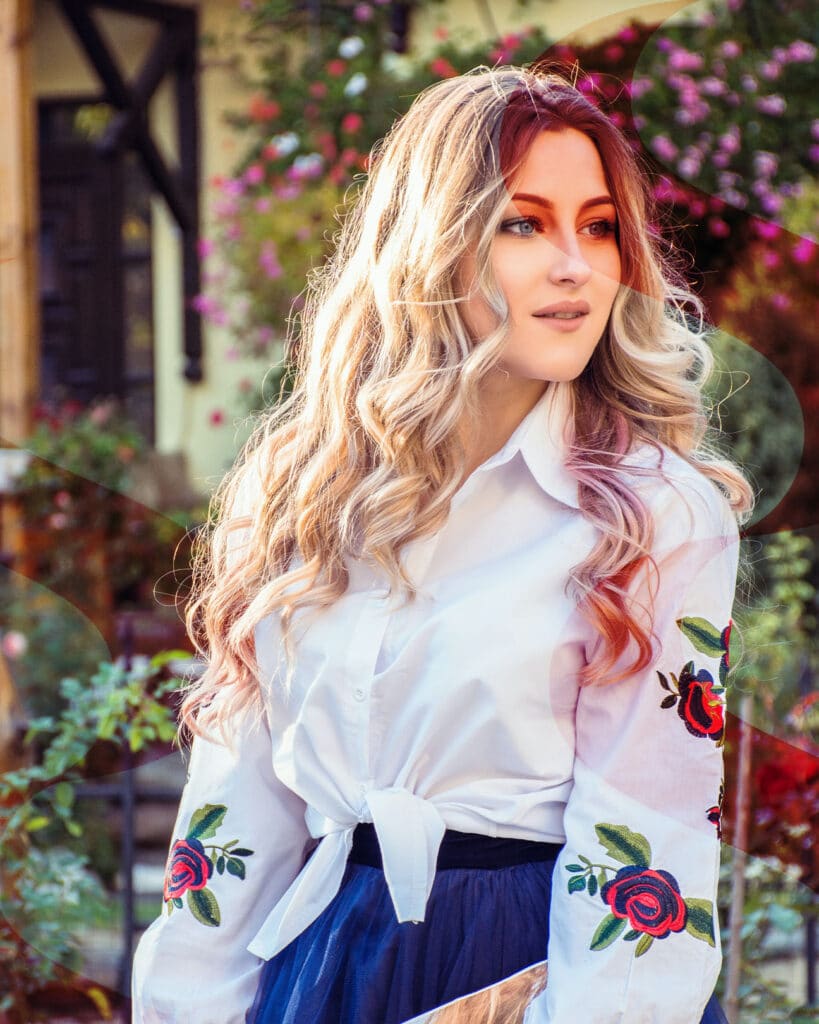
<point>684,503</point>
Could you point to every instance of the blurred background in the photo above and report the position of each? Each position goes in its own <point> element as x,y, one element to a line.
<point>169,172</point>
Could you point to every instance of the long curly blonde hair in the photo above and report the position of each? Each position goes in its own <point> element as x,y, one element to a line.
<point>367,452</point>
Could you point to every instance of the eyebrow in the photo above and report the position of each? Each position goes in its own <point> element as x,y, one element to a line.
<point>549,205</point>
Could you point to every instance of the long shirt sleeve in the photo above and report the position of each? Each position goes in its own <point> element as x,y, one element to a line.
<point>634,936</point>
<point>239,841</point>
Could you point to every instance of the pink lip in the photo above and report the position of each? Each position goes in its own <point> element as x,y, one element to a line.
<point>564,307</point>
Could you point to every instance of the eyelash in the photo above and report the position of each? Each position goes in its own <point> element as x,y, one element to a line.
<point>610,226</point>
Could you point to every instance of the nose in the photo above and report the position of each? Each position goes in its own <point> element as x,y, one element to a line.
<point>566,262</point>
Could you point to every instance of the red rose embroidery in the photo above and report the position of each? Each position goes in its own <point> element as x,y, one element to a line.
<point>726,643</point>
<point>188,868</point>
<point>650,900</point>
<point>699,707</point>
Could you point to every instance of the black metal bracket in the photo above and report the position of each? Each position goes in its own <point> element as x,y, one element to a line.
<point>174,54</point>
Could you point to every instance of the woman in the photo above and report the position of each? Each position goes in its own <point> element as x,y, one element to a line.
<point>498,416</point>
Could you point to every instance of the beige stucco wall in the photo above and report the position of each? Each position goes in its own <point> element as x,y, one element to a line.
<point>183,410</point>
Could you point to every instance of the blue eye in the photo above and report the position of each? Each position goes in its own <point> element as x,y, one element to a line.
<point>521,222</point>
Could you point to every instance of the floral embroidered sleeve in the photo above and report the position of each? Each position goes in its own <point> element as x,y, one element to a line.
<point>634,934</point>
<point>238,842</point>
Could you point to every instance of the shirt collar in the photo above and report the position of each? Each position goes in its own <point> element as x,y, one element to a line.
<point>546,433</point>
<point>543,437</point>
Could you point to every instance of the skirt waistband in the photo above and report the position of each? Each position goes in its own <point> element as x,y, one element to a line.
<point>461,850</point>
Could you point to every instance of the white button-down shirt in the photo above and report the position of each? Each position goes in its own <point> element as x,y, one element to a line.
<point>462,710</point>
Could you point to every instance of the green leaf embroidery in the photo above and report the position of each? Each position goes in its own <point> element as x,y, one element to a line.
<point>241,852</point>
<point>575,867</point>
<point>668,702</point>
<point>205,821</point>
<point>220,865</point>
<point>700,920</point>
<point>236,867</point>
<point>607,931</point>
<point>705,637</point>
<point>592,885</point>
<point>203,906</point>
<point>631,935</point>
<point>623,845</point>
<point>644,945</point>
<point>177,902</point>
<point>577,884</point>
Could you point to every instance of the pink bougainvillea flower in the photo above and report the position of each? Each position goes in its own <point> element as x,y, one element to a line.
<point>205,248</point>
<point>14,644</point>
<point>780,301</point>
<point>767,230</point>
<point>336,67</point>
<point>664,147</point>
<point>254,175</point>
<point>269,260</point>
<point>771,259</point>
<point>362,12</point>
<point>682,60</point>
<point>351,123</point>
<point>318,90</point>
<point>627,34</point>
<point>804,250</point>
<point>718,228</point>
<point>216,417</point>
<point>730,49</point>
<point>773,105</point>
<point>801,51</point>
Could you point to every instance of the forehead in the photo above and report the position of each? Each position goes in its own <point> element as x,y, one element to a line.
<point>562,165</point>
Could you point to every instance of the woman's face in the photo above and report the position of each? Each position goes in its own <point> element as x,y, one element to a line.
<point>556,258</point>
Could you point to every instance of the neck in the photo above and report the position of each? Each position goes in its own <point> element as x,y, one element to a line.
<point>503,404</point>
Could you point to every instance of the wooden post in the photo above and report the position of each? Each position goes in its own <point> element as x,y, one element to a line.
<point>19,298</point>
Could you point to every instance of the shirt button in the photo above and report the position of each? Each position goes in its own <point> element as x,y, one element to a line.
<point>359,693</point>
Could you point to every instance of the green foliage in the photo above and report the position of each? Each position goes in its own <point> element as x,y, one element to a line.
<point>47,891</point>
<point>58,640</point>
<point>775,907</point>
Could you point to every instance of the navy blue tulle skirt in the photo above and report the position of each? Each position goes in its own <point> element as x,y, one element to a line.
<point>355,964</point>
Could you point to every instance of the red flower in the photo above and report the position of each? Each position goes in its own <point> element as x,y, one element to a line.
<point>351,123</point>
<point>650,900</point>
<point>442,68</point>
<point>261,109</point>
<point>336,67</point>
<point>188,868</point>
<point>318,90</point>
<point>699,707</point>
